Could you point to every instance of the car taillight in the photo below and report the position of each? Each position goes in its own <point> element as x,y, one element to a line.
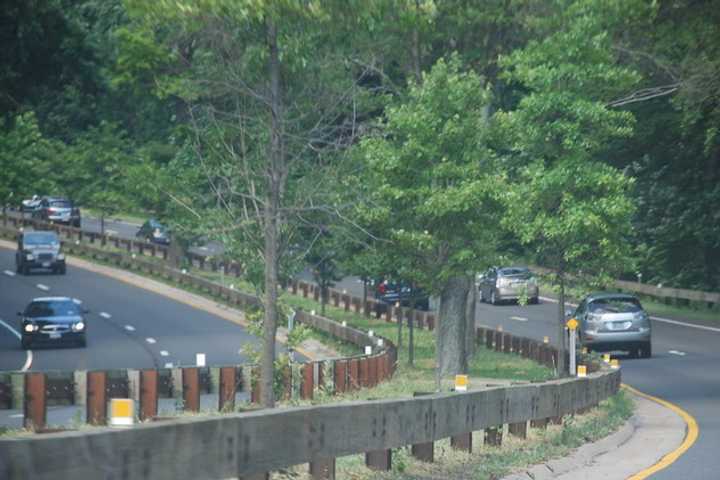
<point>52,210</point>
<point>381,289</point>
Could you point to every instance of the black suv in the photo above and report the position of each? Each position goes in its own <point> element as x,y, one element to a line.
<point>37,249</point>
<point>390,292</point>
<point>58,210</point>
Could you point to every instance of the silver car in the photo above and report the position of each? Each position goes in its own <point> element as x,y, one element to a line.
<point>614,321</point>
<point>508,283</point>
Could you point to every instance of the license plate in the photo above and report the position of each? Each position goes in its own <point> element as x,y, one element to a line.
<point>46,264</point>
<point>619,325</point>
<point>55,336</point>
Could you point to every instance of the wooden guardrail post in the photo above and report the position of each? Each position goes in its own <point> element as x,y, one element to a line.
<point>364,372</point>
<point>228,386</point>
<point>96,398</point>
<point>148,394</point>
<point>322,469</point>
<point>354,374</point>
<point>462,442</point>
<point>341,376</point>
<point>379,460</point>
<point>507,343</point>
<point>498,341</point>
<point>191,389</point>
<point>518,429</point>
<point>493,436</point>
<point>308,384</point>
<point>34,404</point>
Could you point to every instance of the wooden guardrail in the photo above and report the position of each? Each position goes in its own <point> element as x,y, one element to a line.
<point>248,445</point>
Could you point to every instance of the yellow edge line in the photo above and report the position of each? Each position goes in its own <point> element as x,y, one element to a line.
<point>690,436</point>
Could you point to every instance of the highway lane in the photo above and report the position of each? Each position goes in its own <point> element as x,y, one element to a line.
<point>683,370</point>
<point>128,327</point>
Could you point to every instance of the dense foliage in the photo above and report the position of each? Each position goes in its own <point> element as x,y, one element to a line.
<point>420,139</point>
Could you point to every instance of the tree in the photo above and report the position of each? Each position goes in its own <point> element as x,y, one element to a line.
<point>573,211</point>
<point>434,189</point>
<point>269,112</point>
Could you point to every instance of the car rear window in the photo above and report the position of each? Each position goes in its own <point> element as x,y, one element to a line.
<point>40,239</point>
<point>515,272</point>
<point>60,308</point>
<point>61,203</point>
<point>615,305</point>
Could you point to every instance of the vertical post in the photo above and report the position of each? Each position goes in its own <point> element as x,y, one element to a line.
<point>148,394</point>
<point>340,375</point>
<point>191,389</point>
<point>96,398</point>
<point>323,469</point>
<point>354,375</point>
<point>572,352</point>
<point>34,405</point>
<point>364,373</point>
<point>228,386</point>
<point>372,371</point>
<point>379,460</point>
<point>518,429</point>
<point>493,436</point>
<point>462,442</point>
<point>306,391</point>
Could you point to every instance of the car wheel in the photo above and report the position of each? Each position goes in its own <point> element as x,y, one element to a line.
<point>646,350</point>
<point>62,270</point>
<point>25,270</point>
<point>534,300</point>
<point>25,343</point>
<point>82,343</point>
<point>493,298</point>
<point>482,295</point>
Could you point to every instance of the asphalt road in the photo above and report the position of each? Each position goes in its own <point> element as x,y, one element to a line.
<point>683,370</point>
<point>128,327</point>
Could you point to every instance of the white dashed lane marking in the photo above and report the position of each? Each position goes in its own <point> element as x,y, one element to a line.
<point>42,287</point>
<point>519,319</point>
<point>169,365</point>
<point>129,328</point>
<point>105,315</point>
<point>77,301</point>
<point>164,353</point>
<point>676,352</point>
<point>150,340</point>
<point>9,273</point>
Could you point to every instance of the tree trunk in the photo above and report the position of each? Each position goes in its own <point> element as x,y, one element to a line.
<point>452,327</point>
<point>470,319</point>
<point>399,326</point>
<point>271,224</point>
<point>561,323</point>
<point>411,328</point>
<point>102,224</point>
<point>323,298</point>
<point>416,45</point>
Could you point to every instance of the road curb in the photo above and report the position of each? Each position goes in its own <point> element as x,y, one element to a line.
<point>583,456</point>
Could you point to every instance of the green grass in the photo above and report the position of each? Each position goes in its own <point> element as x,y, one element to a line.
<point>485,366</point>
<point>488,462</point>
<point>129,217</point>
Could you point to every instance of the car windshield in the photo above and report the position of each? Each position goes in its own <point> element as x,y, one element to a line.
<point>40,239</point>
<point>615,305</point>
<point>61,204</point>
<point>52,308</point>
<point>515,272</point>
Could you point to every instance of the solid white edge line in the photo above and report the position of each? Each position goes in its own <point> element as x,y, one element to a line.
<point>657,319</point>
<point>28,353</point>
<point>42,287</point>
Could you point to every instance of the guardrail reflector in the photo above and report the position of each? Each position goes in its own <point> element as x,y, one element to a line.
<point>615,363</point>
<point>122,412</point>
<point>606,358</point>
<point>461,383</point>
<point>581,371</point>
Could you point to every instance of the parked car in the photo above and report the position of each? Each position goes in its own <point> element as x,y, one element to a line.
<point>614,321</point>
<point>498,284</point>
<point>390,292</point>
<point>155,232</point>
<point>53,320</point>
<point>38,249</point>
<point>58,210</point>
<point>31,204</point>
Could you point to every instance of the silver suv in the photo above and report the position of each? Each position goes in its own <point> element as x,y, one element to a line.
<point>614,321</point>
<point>37,249</point>
<point>508,283</point>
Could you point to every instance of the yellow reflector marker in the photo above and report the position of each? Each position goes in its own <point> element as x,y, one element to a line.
<point>122,412</point>
<point>615,363</point>
<point>572,324</point>
<point>546,339</point>
<point>581,371</point>
<point>461,383</point>
<point>606,358</point>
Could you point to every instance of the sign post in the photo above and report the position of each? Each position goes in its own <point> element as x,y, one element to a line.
<point>572,325</point>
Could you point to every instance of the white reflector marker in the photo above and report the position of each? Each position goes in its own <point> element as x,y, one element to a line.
<point>122,412</point>
<point>368,350</point>
<point>200,359</point>
<point>129,328</point>
<point>461,383</point>
<point>164,353</point>
<point>150,340</point>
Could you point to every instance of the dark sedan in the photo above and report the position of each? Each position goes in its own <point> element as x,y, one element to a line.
<point>53,321</point>
<point>155,232</point>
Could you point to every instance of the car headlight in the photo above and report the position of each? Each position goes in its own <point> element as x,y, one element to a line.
<point>61,256</point>
<point>29,327</point>
<point>78,326</point>
<point>30,256</point>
